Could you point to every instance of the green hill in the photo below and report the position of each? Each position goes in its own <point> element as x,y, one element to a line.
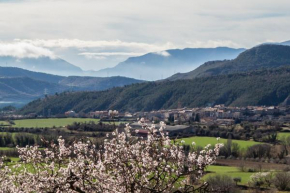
<point>263,87</point>
<point>257,58</point>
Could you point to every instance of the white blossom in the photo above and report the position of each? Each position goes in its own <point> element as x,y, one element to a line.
<point>125,163</point>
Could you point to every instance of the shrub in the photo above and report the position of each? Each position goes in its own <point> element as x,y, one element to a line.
<point>237,179</point>
<point>221,183</point>
<point>251,170</point>
<point>286,169</point>
<point>260,179</point>
<point>282,181</point>
<point>259,151</point>
<point>242,166</point>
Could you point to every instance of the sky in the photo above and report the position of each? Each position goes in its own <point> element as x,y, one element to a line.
<point>96,34</point>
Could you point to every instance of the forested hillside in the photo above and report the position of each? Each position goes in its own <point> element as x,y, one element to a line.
<point>96,83</point>
<point>264,87</point>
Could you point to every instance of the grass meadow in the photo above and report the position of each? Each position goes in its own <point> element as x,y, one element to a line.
<point>203,141</point>
<point>52,122</point>
<point>230,171</point>
<point>283,134</point>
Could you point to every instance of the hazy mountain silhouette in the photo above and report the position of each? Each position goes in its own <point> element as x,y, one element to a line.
<point>42,64</point>
<point>154,66</point>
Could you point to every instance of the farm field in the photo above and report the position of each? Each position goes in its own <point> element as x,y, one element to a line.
<point>203,141</point>
<point>4,123</point>
<point>7,148</point>
<point>29,123</point>
<point>283,134</point>
<point>231,171</point>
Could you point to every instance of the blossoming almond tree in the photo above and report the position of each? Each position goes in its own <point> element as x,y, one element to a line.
<point>124,163</point>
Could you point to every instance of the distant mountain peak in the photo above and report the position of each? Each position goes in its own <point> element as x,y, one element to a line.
<point>258,57</point>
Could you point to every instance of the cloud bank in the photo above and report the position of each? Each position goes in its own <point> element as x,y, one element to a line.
<point>75,30</point>
<point>24,50</point>
<point>104,55</point>
<point>77,43</point>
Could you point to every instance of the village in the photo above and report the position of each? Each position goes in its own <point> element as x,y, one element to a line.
<point>218,114</point>
<point>181,121</point>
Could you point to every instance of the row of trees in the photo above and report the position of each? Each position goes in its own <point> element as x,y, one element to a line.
<point>245,132</point>
<point>258,151</point>
<point>11,137</point>
<point>92,126</point>
<point>23,139</point>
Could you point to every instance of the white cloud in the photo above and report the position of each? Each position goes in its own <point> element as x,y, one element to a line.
<point>110,54</point>
<point>104,55</point>
<point>246,22</point>
<point>162,53</point>
<point>70,27</point>
<point>95,57</point>
<point>80,44</point>
<point>24,50</point>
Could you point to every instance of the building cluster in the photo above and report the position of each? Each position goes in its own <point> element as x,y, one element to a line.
<point>110,114</point>
<point>219,114</point>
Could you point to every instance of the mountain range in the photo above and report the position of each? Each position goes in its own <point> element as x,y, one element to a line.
<point>151,66</point>
<point>265,56</point>
<point>160,65</point>
<point>259,76</point>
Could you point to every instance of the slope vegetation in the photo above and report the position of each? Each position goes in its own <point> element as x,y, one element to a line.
<point>264,87</point>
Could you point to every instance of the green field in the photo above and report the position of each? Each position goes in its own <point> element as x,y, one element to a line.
<point>7,148</point>
<point>283,134</point>
<point>50,122</point>
<point>203,141</point>
<point>231,171</point>
<point>4,123</point>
